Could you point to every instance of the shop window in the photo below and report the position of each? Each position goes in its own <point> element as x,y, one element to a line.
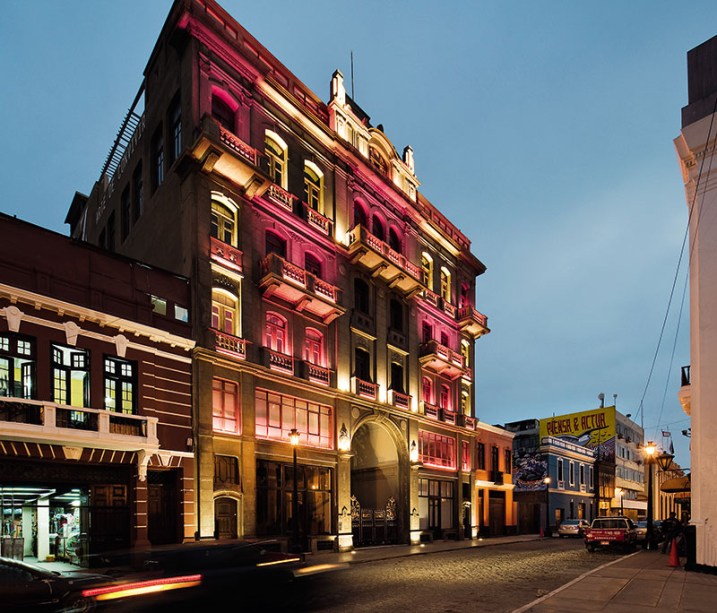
<point>394,241</point>
<point>276,333</point>
<point>313,186</point>
<point>275,244</point>
<point>226,415</point>
<point>226,470</point>
<point>225,311</point>
<point>427,390</point>
<point>397,378</point>
<point>120,377</point>
<point>312,265</point>
<point>437,450</point>
<point>275,149</point>
<point>17,366</point>
<point>223,113</point>
<point>314,347</point>
<point>361,296</point>
<point>445,284</point>
<point>362,359</point>
<point>70,376</point>
<point>224,223</point>
<point>480,456</point>
<point>427,270</point>
<point>278,414</point>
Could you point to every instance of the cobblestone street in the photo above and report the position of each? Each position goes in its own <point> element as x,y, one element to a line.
<point>500,578</point>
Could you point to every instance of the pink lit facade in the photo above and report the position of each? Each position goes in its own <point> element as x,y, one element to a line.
<point>330,296</point>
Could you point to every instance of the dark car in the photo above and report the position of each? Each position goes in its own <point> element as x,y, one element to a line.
<point>572,527</point>
<point>28,587</point>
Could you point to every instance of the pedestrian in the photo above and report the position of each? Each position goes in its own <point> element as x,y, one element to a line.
<point>670,529</point>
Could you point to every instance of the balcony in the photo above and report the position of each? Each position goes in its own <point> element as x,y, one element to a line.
<point>448,416</point>
<point>230,345</point>
<point>685,393</point>
<point>275,360</point>
<point>431,410</point>
<point>224,254</point>
<point>441,360</point>
<point>220,151</point>
<point>316,374</point>
<point>467,421</point>
<point>399,399</point>
<point>472,322</point>
<point>316,219</point>
<point>302,290</point>
<point>365,389</point>
<point>382,261</point>
<point>281,197</point>
<point>50,423</point>
<point>439,303</point>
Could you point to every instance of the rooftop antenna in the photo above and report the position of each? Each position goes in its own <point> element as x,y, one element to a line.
<point>601,398</point>
<point>614,400</point>
<point>352,75</point>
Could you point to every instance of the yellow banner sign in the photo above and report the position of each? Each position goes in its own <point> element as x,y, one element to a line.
<point>588,428</point>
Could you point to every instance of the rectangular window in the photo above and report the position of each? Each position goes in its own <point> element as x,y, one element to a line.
<point>175,123</point>
<point>494,459</point>
<point>561,476</point>
<point>508,461</point>
<point>571,473</point>
<point>582,474</point>
<point>226,470</point>
<point>158,159</point>
<point>125,213</point>
<point>225,406</point>
<point>137,193</point>
<point>120,378</point>
<point>70,376</point>
<point>17,366</point>
<point>437,450</point>
<point>181,314</point>
<point>466,463</point>
<point>277,415</point>
<point>480,455</point>
<point>159,305</point>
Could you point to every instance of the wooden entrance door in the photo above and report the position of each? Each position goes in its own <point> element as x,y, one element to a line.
<point>163,515</point>
<point>225,518</point>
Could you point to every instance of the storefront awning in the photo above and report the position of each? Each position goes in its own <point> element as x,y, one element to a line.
<point>675,485</point>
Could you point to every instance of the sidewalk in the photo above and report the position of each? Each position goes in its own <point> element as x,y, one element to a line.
<point>641,582</point>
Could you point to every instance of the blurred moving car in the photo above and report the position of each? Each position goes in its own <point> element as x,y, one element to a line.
<point>572,527</point>
<point>26,587</point>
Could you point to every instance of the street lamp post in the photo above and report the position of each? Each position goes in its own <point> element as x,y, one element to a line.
<point>546,480</point>
<point>294,438</point>
<point>649,459</point>
<point>620,492</point>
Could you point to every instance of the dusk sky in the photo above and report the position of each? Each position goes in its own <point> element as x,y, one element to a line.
<point>543,130</point>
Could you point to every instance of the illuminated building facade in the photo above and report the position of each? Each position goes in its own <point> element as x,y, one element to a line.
<point>329,297</point>
<point>698,395</point>
<point>96,443</point>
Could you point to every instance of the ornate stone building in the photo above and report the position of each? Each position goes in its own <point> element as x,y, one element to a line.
<point>330,298</point>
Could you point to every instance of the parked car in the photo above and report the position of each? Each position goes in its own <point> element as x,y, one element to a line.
<point>641,528</point>
<point>26,587</point>
<point>572,527</point>
<point>611,532</point>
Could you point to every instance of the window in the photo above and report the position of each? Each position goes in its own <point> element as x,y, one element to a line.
<point>396,315</point>
<point>437,450</point>
<point>480,455</point>
<point>226,470</point>
<point>465,403</point>
<point>363,364</point>
<point>561,476</point>
<point>275,331</point>
<point>396,382</point>
<point>158,158</point>
<point>175,125</point>
<point>426,332</point>
<point>225,406</point>
<point>314,347</point>
<point>445,397</point>
<point>225,311</point>
<point>70,376</point>
<point>137,195</point>
<point>427,270</point>
<point>223,224</point>
<point>275,244</point>
<point>361,296</point>
<point>223,113</point>
<point>111,232</point>
<point>120,386</point>
<point>466,464</point>
<point>313,186</point>
<point>571,473</point>
<point>394,242</point>
<point>159,305</point>
<point>17,366</point>
<point>582,475</point>
<point>466,353</point>
<point>444,338</point>
<point>494,466</point>
<point>360,216</point>
<point>465,291</point>
<point>445,284</point>
<point>181,313</point>
<point>125,213</point>
<point>277,415</point>
<point>436,504</point>
<point>275,150</point>
<point>312,265</point>
<point>427,390</point>
<point>508,461</point>
<point>377,228</point>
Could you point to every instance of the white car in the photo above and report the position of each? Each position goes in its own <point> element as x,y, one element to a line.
<point>572,527</point>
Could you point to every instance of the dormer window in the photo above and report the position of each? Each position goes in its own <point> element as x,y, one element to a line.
<point>377,160</point>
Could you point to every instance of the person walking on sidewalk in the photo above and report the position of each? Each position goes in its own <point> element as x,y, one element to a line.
<point>671,528</point>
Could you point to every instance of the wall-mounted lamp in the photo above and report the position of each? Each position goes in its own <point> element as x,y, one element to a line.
<point>413,453</point>
<point>344,439</point>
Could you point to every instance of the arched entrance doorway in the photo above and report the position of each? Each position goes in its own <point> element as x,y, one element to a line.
<point>226,517</point>
<point>375,486</point>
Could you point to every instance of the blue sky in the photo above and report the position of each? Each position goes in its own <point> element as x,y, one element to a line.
<point>543,130</point>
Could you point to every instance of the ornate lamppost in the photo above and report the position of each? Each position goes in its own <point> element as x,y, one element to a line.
<point>650,450</point>
<point>294,438</point>
<point>546,480</point>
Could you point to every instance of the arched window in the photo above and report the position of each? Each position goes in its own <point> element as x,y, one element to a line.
<point>427,390</point>
<point>426,332</point>
<point>466,353</point>
<point>394,241</point>
<point>312,265</point>
<point>445,397</point>
<point>360,217</point>
<point>361,296</point>
<point>275,244</point>
<point>223,113</point>
<point>224,226</point>
<point>396,382</point>
<point>225,311</point>
<point>313,186</point>
<point>465,403</point>
<point>445,284</point>
<point>363,364</point>
<point>427,269</point>
<point>314,347</point>
<point>276,333</point>
<point>275,149</point>
<point>377,228</point>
